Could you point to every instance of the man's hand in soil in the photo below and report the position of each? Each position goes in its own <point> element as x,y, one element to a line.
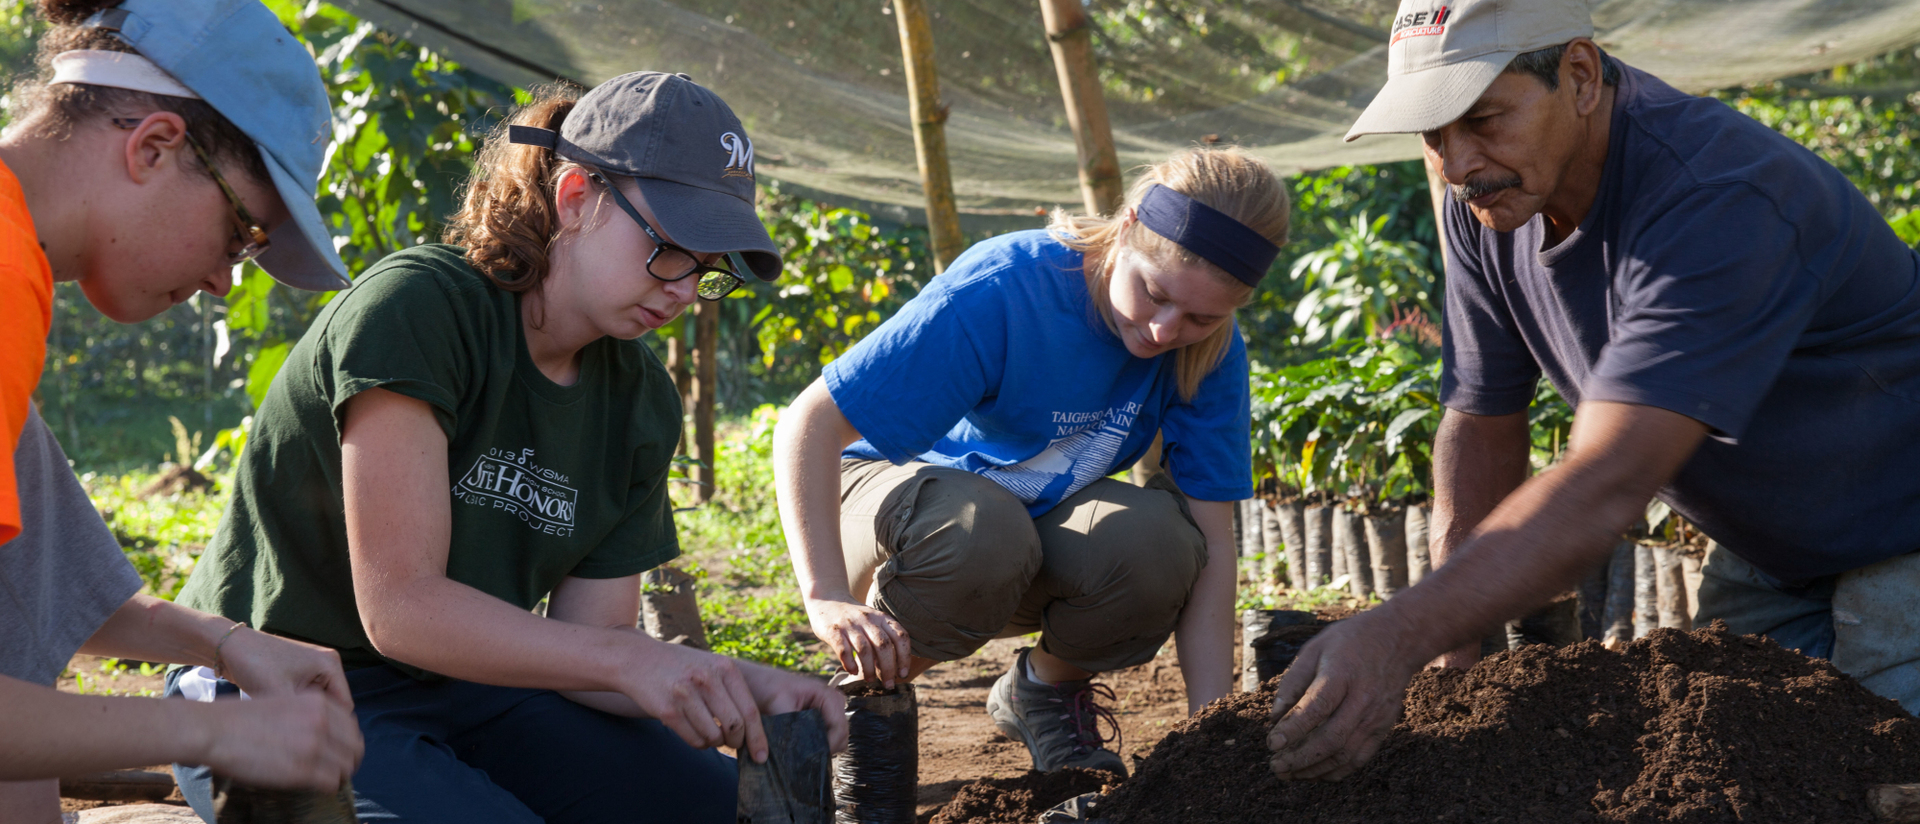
<point>267,666</point>
<point>1339,699</point>
<point>780,692</point>
<point>866,641</point>
<point>1347,688</point>
<point>305,741</point>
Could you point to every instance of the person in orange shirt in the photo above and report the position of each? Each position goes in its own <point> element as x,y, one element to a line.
<point>162,143</point>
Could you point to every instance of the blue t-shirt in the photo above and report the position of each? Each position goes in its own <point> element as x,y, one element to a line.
<point>1730,275</point>
<point>1002,367</point>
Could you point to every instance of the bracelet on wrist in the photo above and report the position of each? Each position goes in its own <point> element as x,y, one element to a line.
<point>220,662</point>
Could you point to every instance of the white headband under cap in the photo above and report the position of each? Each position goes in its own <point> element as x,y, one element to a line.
<point>121,70</point>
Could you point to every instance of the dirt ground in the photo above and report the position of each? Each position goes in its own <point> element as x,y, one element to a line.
<point>1694,727</point>
<point>958,743</point>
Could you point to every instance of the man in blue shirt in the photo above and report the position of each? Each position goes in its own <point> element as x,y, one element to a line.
<point>1738,329</point>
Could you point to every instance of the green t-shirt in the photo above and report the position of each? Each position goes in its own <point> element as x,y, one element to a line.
<point>548,481</point>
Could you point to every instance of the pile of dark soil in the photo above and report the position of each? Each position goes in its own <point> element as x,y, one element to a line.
<point>1022,798</point>
<point>1681,727</point>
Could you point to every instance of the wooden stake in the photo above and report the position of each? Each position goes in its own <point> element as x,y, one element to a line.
<point>929,131</point>
<point>1070,36</point>
<point>119,785</point>
<point>706,347</point>
<point>682,383</point>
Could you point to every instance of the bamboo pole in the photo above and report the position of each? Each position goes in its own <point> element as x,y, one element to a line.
<point>929,131</point>
<point>1070,36</point>
<point>706,348</point>
<point>682,384</point>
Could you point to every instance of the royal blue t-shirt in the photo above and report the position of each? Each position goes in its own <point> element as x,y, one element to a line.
<point>1730,275</point>
<point>1002,367</point>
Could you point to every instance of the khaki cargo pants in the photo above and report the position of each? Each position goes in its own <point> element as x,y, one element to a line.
<point>956,559</point>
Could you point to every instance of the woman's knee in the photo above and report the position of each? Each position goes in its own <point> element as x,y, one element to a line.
<point>1134,537</point>
<point>963,553</point>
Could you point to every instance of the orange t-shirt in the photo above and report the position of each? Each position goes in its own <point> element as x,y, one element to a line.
<point>26,314</point>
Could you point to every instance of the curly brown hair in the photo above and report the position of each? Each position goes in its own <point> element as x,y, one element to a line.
<point>508,220</point>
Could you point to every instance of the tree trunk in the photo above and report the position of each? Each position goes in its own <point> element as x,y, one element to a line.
<point>929,131</point>
<point>1419,557</point>
<point>1071,38</point>
<point>706,346</point>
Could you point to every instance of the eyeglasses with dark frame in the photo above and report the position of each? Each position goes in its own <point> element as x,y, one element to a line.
<point>250,237</point>
<point>670,263</point>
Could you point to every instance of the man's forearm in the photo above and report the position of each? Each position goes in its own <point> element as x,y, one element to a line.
<point>1552,530</point>
<point>1477,462</point>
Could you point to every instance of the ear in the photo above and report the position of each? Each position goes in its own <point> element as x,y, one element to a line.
<point>575,198</point>
<point>154,145</point>
<point>1581,69</point>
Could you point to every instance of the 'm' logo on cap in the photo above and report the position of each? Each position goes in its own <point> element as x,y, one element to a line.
<point>740,161</point>
<point>1421,24</point>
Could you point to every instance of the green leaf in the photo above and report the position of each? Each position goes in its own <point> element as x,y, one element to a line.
<point>1402,421</point>
<point>266,364</point>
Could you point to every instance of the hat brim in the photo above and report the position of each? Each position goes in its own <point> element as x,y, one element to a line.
<point>301,254</point>
<point>706,221</point>
<point>1423,101</point>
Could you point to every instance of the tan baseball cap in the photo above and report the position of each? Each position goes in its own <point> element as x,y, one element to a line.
<point>1445,53</point>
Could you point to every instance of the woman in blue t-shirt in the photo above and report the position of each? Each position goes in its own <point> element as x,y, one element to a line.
<point>970,438</point>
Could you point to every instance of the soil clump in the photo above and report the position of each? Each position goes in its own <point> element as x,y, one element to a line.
<point>1701,726</point>
<point>1022,798</point>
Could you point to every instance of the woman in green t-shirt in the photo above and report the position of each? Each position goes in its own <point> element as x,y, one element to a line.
<point>504,367</point>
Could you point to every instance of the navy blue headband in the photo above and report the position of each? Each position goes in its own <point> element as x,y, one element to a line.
<point>1209,233</point>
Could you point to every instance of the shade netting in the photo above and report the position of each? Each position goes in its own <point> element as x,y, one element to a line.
<point>819,83</point>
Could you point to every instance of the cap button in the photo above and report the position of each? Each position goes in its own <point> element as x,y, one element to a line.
<point>684,76</point>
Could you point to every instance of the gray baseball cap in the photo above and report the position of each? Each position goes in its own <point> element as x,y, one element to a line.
<point>1445,53</point>
<point>236,55</point>
<point>689,154</point>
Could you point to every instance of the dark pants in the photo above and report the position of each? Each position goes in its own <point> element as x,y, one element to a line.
<point>465,753</point>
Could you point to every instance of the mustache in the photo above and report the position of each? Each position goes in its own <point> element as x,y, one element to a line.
<point>1477,188</point>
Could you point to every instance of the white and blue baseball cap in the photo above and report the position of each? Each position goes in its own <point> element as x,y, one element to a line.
<point>236,56</point>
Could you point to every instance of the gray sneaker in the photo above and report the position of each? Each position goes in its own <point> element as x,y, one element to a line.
<point>1060,725</point>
